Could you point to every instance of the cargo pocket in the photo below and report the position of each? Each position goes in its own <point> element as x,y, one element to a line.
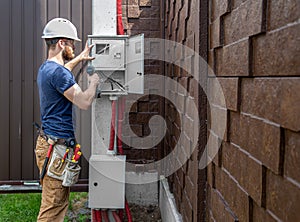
<point>72,172</point>
<point>57,166</point>
<point>59,194</point>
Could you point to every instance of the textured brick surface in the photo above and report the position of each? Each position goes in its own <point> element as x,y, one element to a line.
<point>283,55</point>
<point>244,169</point>
<point>184,13</point>
<point>150,12</point>
<point>213,146</point>
<point>218,121</point>
<point>232,60</point>
<point>187,206</point>
<point>133,2</point>
<point>244,21</point>
<point>193,21</point>
<point>211,63</point>
<point>282,13</point>
<point>224,92</point>
<point>181,25</point>
<point>208,201</point>
<point>191,189</point>
<point>133,11</point>
<point>142,16</point>
<point>254,51</point>
<point>210,175</point>
<point>292,155</point>
<point>257,137</point>
<point>236,198</point>
<point>143,24</point>
<point>283,198</point>
<point>260,214</point>
<point>180,33</point>
<point>221,211</point>
<point>218,8</point>
<point>145,2</point>
<point>237,3</point>
<point>275,99</point>
<point>214,34</point>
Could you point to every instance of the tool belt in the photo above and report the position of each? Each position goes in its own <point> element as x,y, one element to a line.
<point>71,142</point>
<point>63,164</point>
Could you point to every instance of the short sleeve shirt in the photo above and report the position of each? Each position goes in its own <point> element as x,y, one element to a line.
<point>56,110</point>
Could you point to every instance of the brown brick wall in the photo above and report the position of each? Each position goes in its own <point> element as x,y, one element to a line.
<point>142,16</point>
<point>181,19</point>
<point>254,50</point>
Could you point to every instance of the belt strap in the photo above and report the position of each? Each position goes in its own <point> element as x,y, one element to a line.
<point>70,142</point>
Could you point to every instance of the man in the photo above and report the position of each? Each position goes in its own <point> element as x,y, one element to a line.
<point>58,92</point>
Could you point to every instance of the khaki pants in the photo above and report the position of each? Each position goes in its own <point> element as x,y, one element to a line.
<point>55,197</point>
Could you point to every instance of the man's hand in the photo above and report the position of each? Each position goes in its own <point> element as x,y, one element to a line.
<point>83,56</point>
<point>83,99</point>
<point>94,79</point>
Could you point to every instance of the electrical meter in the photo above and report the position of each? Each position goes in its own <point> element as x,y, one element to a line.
<point>119,62</point>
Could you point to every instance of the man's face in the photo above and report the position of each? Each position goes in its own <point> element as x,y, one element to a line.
<point>68,52</point>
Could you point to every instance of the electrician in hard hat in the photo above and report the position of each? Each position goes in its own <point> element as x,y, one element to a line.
<point>58,92</point>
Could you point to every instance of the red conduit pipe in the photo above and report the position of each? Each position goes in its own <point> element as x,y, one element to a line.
<point>120,119</point>
<point>120,148</point>
<point>129,217</point>
<point>105,215</point>
<point>112,126</point>
<point>121,214</point>
<point>120,28</point>
<point>96,215</point>
<point>119,139</point>
<point>99,216</point>
<point>116,216</point>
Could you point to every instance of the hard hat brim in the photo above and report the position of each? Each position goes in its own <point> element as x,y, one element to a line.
<point>60,36</point>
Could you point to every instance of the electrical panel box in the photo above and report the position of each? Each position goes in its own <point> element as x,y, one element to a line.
<point>107,181</point>
<point>119,62</point>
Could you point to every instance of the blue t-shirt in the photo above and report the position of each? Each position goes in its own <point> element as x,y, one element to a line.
<point>56,110</point>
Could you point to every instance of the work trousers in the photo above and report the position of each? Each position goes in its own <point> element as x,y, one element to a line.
<point>55,197</point>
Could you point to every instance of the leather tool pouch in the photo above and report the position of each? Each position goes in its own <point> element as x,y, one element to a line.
<point>66,171</point>
<point>72,171</point>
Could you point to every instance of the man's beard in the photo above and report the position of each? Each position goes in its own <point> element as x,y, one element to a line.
<point>68,53</point>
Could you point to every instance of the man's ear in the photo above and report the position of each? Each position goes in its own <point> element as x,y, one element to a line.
<point>61,43</point>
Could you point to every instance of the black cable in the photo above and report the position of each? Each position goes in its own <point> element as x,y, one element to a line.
<point>113,81</point>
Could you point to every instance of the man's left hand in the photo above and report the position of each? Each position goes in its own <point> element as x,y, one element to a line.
<point>85,54</point>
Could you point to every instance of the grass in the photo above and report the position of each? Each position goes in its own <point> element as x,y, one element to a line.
<point>78,210</point>
<point>19,207</point>
<point>25,207</point>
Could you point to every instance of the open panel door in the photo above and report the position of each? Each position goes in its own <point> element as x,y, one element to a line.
<point>135,64</point>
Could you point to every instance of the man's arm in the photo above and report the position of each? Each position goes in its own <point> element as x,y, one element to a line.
<point>83,99</point>
<point>83,56</point>
<point>74,62</point>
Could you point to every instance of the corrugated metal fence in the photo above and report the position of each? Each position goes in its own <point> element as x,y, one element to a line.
<point>21,53</point>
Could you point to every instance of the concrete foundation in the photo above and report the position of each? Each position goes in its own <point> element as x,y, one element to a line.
<point>167,203</point>
<point>143,194</point>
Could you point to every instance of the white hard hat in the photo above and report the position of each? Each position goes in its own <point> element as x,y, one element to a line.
<point>60,27</point>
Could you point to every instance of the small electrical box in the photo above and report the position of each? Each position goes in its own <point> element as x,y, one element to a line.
<point>107,181</point>
<point>119,62</point>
